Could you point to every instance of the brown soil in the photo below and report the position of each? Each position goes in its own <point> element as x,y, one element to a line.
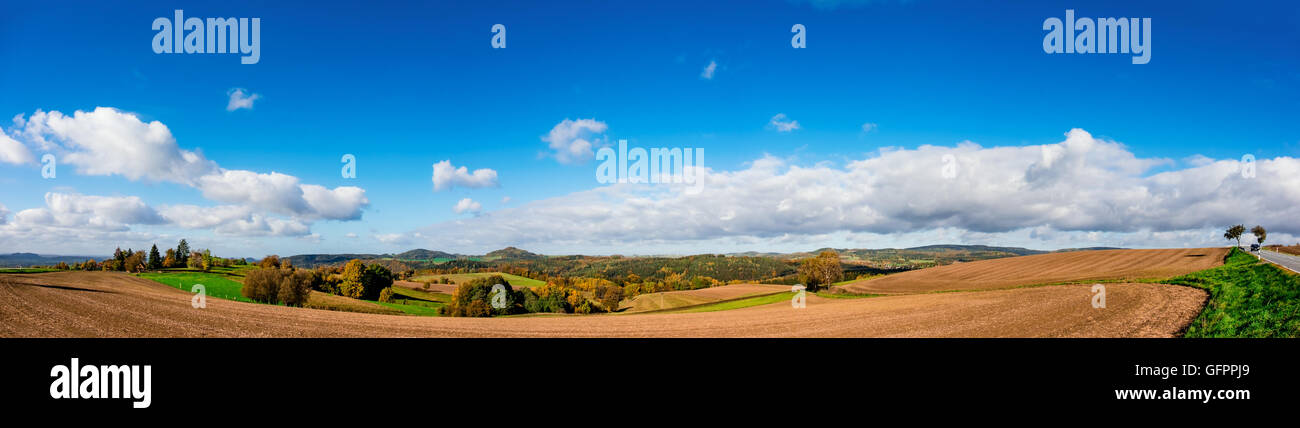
<point>433,288</point>
<point>1077,266</point>
<point>679,299</point>
<point>103,304</point>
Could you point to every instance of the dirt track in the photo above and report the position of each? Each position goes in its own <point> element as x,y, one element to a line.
<point>99,304</point>
<point>1046,269</point>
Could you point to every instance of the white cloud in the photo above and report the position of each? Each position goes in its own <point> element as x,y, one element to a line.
<point>111,142</point>
<point>505,200</point>
<point>105,213</point>
<point>340,203</point>
<point>261,225</point>
<point>233,220</point>
<point>196,217</point>
<point>274,192</point>
<point>284,194</point>
<point>392,238</point>
<point>4,214</point>
<point>107,141</point>
<point>572,140</point>
<point>446,176</point>
<point>11,151</point>
<point>1083,188</point>
<point>467,205</point>
<point>783,124</point>
<point>239,98</point>
<point>707,73</point>
<point>868,127</point>
<point>1198,160</point>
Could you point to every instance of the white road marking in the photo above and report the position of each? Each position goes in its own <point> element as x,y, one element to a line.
<point>1286,261</point>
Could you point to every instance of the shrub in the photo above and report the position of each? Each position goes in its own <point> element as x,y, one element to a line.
<point>386,295</point>
<point>609,296</point>
<point>262,285</point>
<point>271,261</point>
<point>277,286</point>
<point>478,308</point>
<point>294,291</point>
<point>473,297</point>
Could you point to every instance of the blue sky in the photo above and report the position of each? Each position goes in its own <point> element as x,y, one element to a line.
<point>404,85</point>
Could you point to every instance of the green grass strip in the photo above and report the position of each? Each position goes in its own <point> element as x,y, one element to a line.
<point>1248,298</point>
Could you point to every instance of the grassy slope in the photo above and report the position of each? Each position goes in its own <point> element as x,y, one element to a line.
<point>215,284</point>
<point>224,286</point>
<point>737,303</point>
<point>1248,298</point>
<point>515,280</point>
<point>416,302</point>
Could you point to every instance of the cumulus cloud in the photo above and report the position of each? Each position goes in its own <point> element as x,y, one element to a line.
<point>572,140</point>
<point>108,141</point>
<point>107,213</point>
<point>339,203</point>
<point>11,151</point>
<point>262,225</point>
<point>197,217</point>
<point>71,213</point>
<point>1083,186</point>
<point>446,176</point>
<point>284,194</point>
<point>239,98</point>
<point>707,73</point>
<point>467,205</point>
<point>781,123</point>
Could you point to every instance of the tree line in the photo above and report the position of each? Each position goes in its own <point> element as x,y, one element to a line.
<point>133,261</point>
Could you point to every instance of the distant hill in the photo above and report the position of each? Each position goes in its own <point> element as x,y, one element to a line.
<point>1013,250</point>
<point>313,260</point>
<point>926,249</point>
<point>511,253</point>
<point>892,259</point>
<point>1066,250</point>
<point>423,254</point>
<point>33,259</point>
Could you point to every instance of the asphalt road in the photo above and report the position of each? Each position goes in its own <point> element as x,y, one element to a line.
<point>1285,260</point>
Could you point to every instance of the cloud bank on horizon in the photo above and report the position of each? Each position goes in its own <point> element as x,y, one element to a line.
<point>110,142</point>
<point>1079,191</point>
<point>1082,191</point>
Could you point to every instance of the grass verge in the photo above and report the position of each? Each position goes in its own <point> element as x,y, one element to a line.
<point>1248,298</point>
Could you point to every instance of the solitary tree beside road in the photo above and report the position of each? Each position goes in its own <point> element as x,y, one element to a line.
<point>1235,232</point>
<point>1260,233</point>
